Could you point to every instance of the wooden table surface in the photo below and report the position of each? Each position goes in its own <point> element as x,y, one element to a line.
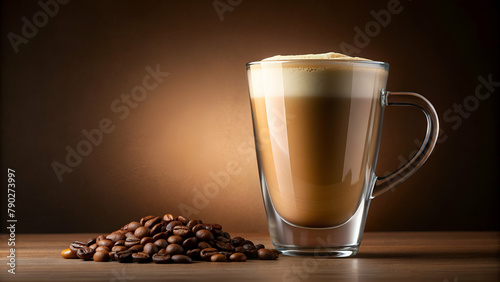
<point>394,256</point>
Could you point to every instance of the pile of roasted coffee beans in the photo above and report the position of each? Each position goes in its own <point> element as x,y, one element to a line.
<point>168,239</point>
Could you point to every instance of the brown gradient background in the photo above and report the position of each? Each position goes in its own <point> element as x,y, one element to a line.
<point>198,120</point>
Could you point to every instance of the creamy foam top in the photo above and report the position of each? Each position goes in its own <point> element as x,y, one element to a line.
<point>309,78</point>
<point>323,56</point>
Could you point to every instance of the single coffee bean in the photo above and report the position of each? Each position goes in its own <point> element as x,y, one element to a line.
<point>197,227</point>
<point>163,252</point>
<point>183,220</point>
<point>152,222</point>
<point>190,243</point>
<point>204,235</point>
<point>93,246</point>
<point>217,232</point>
<point>239,249</point>
<point>122,231</point>
<point>85,253</point>
<point>76,245</point>
<point>192,223</point>
<point>223,239</point>
<point>175,239</point>
<point>226,235</point>
<point>129,234</point>
<point>132,226</point>
<point>99,238</point>
<point>218,258</point>
<point>161,243</point>
<point>112,255</point>
<point>161,235</point>
<point>224,246</point>
<point>247,242</point>
<point>145,219</point>
<point>101,248</point>
<point>160,259</point>
<point>174,249</point>
<point>259,246</point>
<point>146,240</point>
<point>91,241</point>
<point>238,241</point>
<point>141,232</point>
<point>105,242</point>
<point>248,247</point>
<point>141,257</point>
<point>118,248</point>
<point>205,254</point>
<point>276,252</point>
<point>204,245</point>
<point>238,257</point>
<point>123,256</point>
<point>251,253</point>
<point>136,248</point>
<point>120,243</point>
<point>115,236</point>
<point>181,259</point>
<point>150,249</point>
<point>212,226</point>
<point>181,230</point>
<point>193,253</point>
<point>68,254</point>
<point>168,217</point>
<point>266,254</point>
<point>101,256</point>
<point>172,224</point>
<point>156,228</point>
<point>226,253</point>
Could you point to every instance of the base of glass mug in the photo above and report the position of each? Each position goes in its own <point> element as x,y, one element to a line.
<point>329,252</point>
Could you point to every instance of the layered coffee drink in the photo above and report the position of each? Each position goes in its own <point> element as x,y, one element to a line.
<point>316,126</point>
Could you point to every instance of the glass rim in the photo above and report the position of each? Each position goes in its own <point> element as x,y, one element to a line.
<point>321,61</point>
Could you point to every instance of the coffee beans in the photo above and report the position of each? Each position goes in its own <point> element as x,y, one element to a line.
<point>150,249</point>
<point>85,253</point>
<point>204,235</point>
<point>238,257</point>
<point>181,259</point>
<point>141,257</point>
<point>218,258</point>
<point>123,256</point>
<point>266,254</point>
<point>207,253</point>
<point>106,243</point>
<point>141,232</point>
<point>174,249</point>
<point>157,258</point>
<point>68,254</point>
<point>181,230</point>
<point>101,248</point>
<point>101,256</point>
<point>168,239</point>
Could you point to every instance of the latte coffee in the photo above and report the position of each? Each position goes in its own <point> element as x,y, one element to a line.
<point>316,128</point>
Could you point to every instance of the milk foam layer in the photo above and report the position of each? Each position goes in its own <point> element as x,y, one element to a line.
<point>323,56</point>
<point>298,76</point>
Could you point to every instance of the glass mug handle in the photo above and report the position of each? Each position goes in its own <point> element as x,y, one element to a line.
<point>385,183</point>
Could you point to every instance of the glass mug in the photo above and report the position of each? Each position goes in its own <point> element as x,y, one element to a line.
<point>317,126</point>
